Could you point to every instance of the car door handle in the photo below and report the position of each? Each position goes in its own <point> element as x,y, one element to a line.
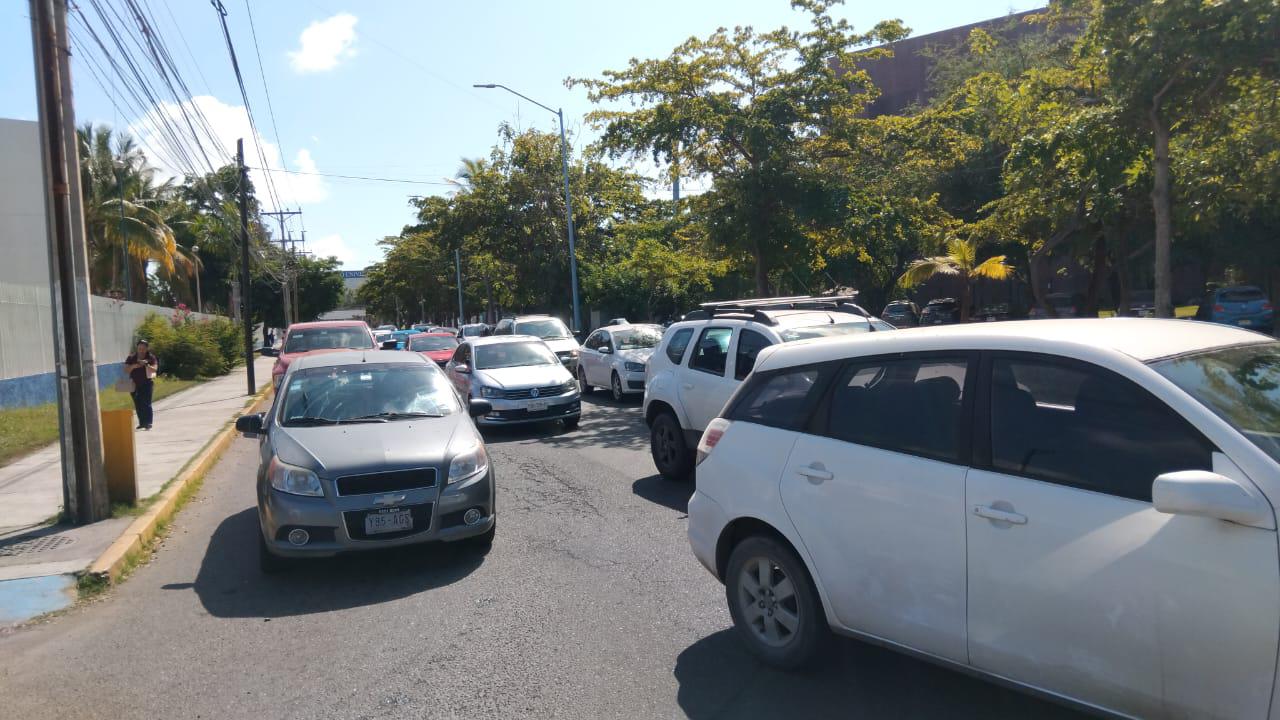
<point>815,474</point>
<point>999,515</point>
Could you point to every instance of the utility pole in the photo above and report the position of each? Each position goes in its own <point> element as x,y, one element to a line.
<point>457,265</point>
<point>288,294</point>
<point>246,301</point>
<point>84,487</point>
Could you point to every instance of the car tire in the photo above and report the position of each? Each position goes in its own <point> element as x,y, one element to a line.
<point>615,388</point>
<point>268,562</point>
<point>571,423</point>
<point>583,387</point>
<point>670,453</point>
<point>758,606</point>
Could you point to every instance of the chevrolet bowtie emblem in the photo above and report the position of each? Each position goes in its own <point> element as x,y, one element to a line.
<point>388,500</point>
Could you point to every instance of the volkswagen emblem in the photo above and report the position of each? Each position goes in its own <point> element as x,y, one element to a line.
<point>533,392</point>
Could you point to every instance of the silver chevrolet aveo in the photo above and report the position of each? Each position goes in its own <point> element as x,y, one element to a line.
<point>368,449</point>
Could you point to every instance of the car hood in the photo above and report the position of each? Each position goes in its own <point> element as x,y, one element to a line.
<point>524,376</point>
<point>638,355</point>
<point>562,344</point>
<point>333,450</point>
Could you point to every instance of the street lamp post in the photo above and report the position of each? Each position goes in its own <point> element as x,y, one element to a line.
<point>195,250</point>
<point>568,204</point>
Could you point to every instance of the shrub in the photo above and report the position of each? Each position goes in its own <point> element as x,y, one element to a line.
<point>226,335</point>
<point>185,347</point>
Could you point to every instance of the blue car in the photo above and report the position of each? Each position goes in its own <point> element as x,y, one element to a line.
<point>1241,305</point>
<point>402,336</point>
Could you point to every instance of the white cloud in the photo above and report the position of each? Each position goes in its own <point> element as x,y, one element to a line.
<point>227,123</point>
<point>324,43</point>
<point>331,246</point>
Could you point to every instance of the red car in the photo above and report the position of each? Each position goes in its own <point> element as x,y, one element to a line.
<point>323,336</point>
<point>436,347</point>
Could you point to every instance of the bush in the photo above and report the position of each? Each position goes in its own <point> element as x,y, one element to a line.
<point>227,337</point>
<point>186,348</point>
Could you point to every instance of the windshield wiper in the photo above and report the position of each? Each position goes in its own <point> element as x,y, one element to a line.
<point>393,416</point>
<point>309,420</point>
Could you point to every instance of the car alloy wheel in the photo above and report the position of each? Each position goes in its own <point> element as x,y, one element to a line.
<point>583,387</point>
<point>615,384</point>
<point>774,604</point>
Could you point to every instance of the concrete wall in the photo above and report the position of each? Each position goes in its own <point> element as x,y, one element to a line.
<point>23,248</point>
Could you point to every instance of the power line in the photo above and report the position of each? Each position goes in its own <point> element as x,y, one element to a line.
<point>271,111</point>
<point>367,177</point>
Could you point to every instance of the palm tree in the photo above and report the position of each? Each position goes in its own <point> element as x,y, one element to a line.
<point>124,214</point>
<point>961,259</point>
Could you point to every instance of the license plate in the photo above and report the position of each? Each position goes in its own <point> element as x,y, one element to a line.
<point>536,405</point>
<point>386,521</point>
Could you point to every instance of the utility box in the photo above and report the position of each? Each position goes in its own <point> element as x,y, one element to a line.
<point>119,456</point>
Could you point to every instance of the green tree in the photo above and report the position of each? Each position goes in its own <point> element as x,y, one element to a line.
<point>961,259</point>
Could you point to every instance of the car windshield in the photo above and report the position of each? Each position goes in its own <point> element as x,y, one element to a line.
<point>1237,295</point>
<point>335,338</point>
<point>637,337</point>
<point>432,344</point>
<point>827,330</point>
<point>548,329</point>
<point>473,331</point>
<point>1240,384</point>
<point>350,393</point>
<point>513,354</point>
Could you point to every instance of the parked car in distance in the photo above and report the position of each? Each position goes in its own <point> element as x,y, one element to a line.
<point>901,314</point>
<point>401,337</point>
<point>474,330</point>
<point>442,329</point>
<point>940,311</point>
<point>1142,303</point>
<point>617,321</point>
<point>1064,306</point>
<point>366,450</point>
<point>1242,305</point>
<point>421,327</point>
<point>704,358</point>
<point>992,313</point>
<point>550,330</point>
<point>382,337</point>
<point>615,357</point>
<point>1082,507</point>
<point>436,347</point>
<point>519,376</point>
<point>315,337</point>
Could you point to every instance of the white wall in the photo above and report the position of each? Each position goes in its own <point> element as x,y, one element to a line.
<point>24,250</point>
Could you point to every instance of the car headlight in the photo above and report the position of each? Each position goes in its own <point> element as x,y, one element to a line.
<point>490,392</point>
<point>468,463</point>
<point>293,480</point>
<point>634,367</point>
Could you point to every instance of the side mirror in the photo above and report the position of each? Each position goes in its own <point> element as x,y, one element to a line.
<point>250,425</point>
<point>390,344</point>
<point>463,369</point>
<point>268,352</point>
<point>606,350</point>
<point>1208,494</point>
<point>479,408</point>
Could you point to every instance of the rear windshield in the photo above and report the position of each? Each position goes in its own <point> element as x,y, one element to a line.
<point>825,330</point>
<point>336,338</point>
<point>431,344</point>
<point>1242,295</point>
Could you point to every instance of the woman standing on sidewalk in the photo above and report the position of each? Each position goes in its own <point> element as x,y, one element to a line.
<point>141,366</point>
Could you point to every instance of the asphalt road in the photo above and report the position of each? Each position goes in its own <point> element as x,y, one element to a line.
<point>589,605</point>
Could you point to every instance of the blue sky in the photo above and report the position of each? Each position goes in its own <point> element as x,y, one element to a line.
<point>383,88</point>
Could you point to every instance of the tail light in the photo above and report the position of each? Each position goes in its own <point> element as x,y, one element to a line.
<point>710,438</point>
<point>1219,308</point>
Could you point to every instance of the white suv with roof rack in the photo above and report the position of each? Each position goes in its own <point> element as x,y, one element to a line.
<point>704,357</point>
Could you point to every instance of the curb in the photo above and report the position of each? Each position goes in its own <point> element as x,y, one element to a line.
<point>138,536</point>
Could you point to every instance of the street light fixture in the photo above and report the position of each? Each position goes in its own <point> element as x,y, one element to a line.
<point>568,204</point>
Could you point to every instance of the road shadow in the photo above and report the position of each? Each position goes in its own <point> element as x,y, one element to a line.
<point>656,489</point>
<point>605,424</point>
<point>719,679</point>
<point>230,585</point>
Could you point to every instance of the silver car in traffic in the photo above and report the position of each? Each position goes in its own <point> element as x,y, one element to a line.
<point>519,376</point>
<point>368,449</point>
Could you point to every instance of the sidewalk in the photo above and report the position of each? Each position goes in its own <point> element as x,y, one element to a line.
<point>31,494</point>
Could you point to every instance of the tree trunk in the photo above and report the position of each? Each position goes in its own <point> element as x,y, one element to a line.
<point>1121,271</point>
<point>1099,274</point>
<point>762,273</point>
<point>1161,205</point>
<point>1038,263</point>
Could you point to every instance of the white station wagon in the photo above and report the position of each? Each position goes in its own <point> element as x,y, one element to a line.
<point>1079,507</point>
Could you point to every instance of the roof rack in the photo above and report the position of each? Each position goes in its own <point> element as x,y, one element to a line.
<point>755,308</point>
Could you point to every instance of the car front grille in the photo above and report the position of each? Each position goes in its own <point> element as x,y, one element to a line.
<point>380,482</point>
<point>552,411</point>
<point>545,391</point>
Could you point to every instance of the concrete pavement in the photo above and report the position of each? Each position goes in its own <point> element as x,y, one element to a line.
<point>39,563</point>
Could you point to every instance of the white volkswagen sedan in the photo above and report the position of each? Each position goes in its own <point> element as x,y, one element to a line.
<point>615,357</point>
<point>1080,507</point>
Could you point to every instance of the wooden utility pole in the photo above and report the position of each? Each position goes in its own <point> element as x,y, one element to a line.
<point>288,292</point>
<point>246,287</point>
<point>84,485</point>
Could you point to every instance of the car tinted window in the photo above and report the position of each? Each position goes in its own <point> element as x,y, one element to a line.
<point>910,405</point>
<point>712,350</point>
<point>780,399</point>
<point>1087,428</point>
<point>331,338</point>
<point>432,344</point>
<point>1247,294</point>
<point>750,343</point>
<point>679,342</point>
